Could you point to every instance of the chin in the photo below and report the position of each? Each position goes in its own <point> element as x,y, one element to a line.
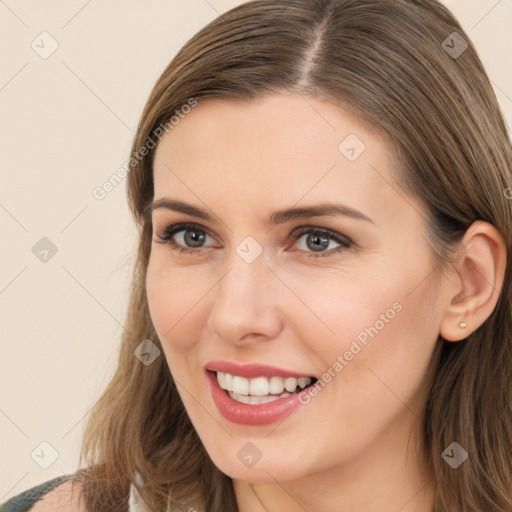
<point>249,464</point>
<point>261,472</point>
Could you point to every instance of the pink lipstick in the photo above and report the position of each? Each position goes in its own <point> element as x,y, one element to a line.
<point>255,394</point>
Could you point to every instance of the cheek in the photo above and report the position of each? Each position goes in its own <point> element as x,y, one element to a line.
<point>174,301</point>
<point>336,310</point>
<point>360,329</point>
<point>385,364</point>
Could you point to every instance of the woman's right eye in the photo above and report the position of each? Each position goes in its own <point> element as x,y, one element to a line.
<point>187,234</point>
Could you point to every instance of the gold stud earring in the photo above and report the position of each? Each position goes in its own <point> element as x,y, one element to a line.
<point>462,325</point>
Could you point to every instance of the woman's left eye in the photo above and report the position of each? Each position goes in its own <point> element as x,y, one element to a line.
<point>316,241</point>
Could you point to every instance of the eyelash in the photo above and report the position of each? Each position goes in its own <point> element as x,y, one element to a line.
<point>167,238</point>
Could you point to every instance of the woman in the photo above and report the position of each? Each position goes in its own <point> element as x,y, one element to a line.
<point>321,307</point>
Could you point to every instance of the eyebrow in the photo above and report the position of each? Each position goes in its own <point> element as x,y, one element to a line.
<point>277,217</point>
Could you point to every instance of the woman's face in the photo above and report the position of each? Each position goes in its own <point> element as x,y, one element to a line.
<point>259,300</point>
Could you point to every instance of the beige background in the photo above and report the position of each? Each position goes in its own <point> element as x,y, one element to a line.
<point>66,126</point>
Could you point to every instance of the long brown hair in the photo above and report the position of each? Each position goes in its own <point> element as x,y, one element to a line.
<point>398,65</point>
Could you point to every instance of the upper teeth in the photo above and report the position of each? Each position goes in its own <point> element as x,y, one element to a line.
<point>260,386</point>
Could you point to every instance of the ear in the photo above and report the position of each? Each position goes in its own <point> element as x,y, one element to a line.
<point>481,270</point>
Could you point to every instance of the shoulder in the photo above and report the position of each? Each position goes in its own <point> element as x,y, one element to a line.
<point>56,495</point>
<point>66,497</point>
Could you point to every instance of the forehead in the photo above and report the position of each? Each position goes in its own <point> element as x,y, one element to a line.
<point>281,146</point>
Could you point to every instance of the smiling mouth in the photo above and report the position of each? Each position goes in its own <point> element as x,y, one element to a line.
<point>261,390</point>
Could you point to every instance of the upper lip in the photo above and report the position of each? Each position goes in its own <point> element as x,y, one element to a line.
<point>252,370</point>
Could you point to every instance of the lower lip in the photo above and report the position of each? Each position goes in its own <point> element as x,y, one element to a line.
<point>244,414</point>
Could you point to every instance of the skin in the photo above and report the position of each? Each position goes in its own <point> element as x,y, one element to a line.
<point>355,446</point>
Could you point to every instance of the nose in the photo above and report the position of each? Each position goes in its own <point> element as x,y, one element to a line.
<point>245,309</point>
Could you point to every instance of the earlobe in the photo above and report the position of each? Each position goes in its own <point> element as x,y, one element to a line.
<point>481,270</point>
